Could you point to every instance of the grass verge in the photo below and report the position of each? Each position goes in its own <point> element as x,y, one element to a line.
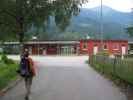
<point>7,74</point>
<point>120,72</point>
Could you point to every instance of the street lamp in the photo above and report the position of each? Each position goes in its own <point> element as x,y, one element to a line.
<point>35,38</point>
<point>101,24</point>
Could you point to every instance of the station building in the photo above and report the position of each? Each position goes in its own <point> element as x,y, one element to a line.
<point>81,47</point>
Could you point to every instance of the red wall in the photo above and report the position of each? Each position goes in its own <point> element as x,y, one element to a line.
<point>83,51</point>
<point>110,44</point>
<point>52,49</point>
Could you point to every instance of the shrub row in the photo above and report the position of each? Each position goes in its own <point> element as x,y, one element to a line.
<point>7,74</point>
<point>6,60</point>
<point>7,71</point>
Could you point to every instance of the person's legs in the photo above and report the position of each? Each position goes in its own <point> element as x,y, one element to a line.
<point>28,83</point>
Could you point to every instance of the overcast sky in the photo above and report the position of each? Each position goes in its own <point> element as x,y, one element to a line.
<point>120,5</point>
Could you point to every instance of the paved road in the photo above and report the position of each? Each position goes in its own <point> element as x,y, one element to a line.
<point>66,78</point>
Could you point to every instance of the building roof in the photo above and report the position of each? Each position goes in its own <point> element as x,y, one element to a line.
<point>52,42</point>
<point>11,43</point>
<point>45,42</point>
<point>105,40</point>
<point>64,42</point>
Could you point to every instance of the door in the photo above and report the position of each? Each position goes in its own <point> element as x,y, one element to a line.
<point>123,50</point>
<point>95,51</point>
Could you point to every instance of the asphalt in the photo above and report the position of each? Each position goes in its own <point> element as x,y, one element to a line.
<point>66,78</point>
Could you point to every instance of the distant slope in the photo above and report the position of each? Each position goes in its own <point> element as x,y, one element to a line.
<point>114,22</point>
<point>88,23</point>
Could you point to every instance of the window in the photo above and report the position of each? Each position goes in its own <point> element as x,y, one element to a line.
<point>85,45</point>
<point>105,46</point>
<point>115,46</point>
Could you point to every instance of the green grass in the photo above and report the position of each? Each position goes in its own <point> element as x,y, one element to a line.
<point>123,69</point>
<point>7,74</point>
<point>128,59</point>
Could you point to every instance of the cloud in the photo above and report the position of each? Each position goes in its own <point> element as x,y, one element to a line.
<point>120,5</point>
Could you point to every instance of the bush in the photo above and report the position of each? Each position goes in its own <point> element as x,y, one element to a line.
<point>5,59</point>
<point>10,61</point>
<point>7,74</point>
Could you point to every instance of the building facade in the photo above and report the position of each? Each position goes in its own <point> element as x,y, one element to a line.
<point>113,47</point>
<point>81,47</point>
<point>52,47</point>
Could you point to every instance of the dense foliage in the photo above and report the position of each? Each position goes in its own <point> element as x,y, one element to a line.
<point>7,71</point>
<point>17,16</point>
<point>6,60</point>
<point>7,74</point>
<point>130,31</point>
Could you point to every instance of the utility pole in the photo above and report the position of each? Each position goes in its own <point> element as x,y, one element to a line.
<point>101,25</point>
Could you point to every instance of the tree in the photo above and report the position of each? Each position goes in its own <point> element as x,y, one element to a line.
<point>130,31</point>
<point>17,16</point>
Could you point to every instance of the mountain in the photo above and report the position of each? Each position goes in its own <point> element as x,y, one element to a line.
<point>88,23</point>
<point>114,22</point>
<point>109,15</point>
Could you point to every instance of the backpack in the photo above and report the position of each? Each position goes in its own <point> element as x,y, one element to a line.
<point>25,70</point>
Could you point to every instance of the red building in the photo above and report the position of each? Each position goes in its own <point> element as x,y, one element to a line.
<point>52,47</point>
<point>115,47</point>
<point>87,47</point>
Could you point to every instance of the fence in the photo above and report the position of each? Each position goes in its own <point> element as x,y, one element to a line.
<point>114,66</point>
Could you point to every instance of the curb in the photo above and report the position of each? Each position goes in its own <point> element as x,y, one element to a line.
<point>10,86</point>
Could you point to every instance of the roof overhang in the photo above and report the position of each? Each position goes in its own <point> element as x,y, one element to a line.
<point>43,42</point>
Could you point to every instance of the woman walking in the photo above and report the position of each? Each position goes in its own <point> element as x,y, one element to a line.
<point>27,71</point>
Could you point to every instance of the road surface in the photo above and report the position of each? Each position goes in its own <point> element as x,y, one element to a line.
<point>66,78</point>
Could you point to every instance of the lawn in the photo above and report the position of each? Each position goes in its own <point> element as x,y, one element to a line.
<point>7,74</point>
